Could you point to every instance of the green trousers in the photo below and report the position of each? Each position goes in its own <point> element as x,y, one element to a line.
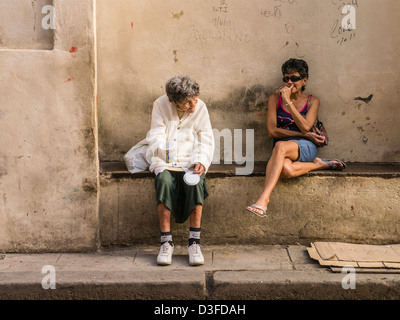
<point>177,196</point>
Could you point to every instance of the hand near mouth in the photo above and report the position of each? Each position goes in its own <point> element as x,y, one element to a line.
<point>286,92</point>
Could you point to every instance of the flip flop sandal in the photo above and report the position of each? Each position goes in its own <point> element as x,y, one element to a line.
<point>335,166</point>
<point>263,215</point>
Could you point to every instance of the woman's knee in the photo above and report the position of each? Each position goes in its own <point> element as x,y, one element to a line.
<point>165,184</point>
<point>197,210</point>
<point>286,149</point>
<point>163,209</point>
<point>280,148</point>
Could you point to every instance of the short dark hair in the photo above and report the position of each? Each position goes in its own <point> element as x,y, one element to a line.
<point>181,88</point>
<point>296,65</point>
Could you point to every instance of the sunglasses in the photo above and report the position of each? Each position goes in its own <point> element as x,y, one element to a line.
<point>292,78</point>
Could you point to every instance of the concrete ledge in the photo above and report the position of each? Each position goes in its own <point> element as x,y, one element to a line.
<point>117,170</point>
<point>357,205</point>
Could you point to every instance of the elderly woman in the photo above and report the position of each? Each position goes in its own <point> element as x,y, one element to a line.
<point>180,119</point>
<point>291,115</point>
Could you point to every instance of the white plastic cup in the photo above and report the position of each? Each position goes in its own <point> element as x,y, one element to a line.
<point>191,178</point>
<point>168,151</point>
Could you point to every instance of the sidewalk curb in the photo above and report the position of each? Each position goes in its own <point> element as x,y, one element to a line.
<point>230,273</point>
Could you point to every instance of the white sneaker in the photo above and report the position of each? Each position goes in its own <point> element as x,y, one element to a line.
<point>195,256</point>
<point>164,257</point>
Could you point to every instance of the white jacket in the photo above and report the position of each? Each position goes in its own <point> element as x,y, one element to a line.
<point>192,134</point>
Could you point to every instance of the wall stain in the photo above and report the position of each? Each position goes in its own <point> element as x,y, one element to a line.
<point>73,50</point>
<point>365,140</point>
<point>177,16</point>
<point>366,100</point>
<point>246,99</point>
<point>89,141</point>
<point>3,165</point>
<point>88,186</point>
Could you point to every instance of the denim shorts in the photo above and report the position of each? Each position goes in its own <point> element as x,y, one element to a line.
<point>307,150</point>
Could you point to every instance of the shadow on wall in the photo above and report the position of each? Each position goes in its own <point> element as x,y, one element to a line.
<point>245,99</point>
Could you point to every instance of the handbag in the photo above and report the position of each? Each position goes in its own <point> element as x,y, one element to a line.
<point>319,128</point>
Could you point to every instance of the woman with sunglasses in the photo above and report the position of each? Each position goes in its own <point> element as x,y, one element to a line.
<point>291,115</point>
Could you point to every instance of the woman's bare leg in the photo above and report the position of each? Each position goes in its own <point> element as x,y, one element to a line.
<point>164,216</point>
<point>283,164</point>
<point>294,169</point>
<point>281,151</point>
<point>195,216</point>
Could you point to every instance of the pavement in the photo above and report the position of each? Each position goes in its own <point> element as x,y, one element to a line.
<point>247,272</point>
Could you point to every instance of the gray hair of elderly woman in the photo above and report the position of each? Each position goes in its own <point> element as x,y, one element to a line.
<point>181,88</point>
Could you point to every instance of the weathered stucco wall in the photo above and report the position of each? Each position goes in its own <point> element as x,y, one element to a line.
<point>49,183</point>
<point>48,156</point>
<point>235,50</point>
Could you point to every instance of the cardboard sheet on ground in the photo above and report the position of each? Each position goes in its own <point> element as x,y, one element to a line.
<point>362,256</point>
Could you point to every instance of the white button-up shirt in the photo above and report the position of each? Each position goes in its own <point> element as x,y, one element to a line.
<point>192,134</point>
